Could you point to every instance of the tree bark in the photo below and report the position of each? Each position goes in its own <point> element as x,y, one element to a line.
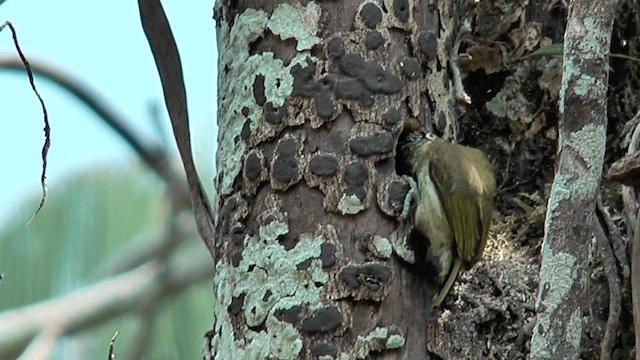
<point>562,298</point>
<point>312,100</point>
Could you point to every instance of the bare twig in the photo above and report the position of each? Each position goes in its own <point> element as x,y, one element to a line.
<point>47,129</point>
<point>615,293</point>
<point>112,347</point>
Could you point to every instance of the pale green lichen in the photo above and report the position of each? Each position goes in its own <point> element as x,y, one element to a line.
<point>574,329</point>
<point>382,246</point>
<point>403,251</point>
<point>592,43</point>
<point>595,36</point>
<point>298,23</point>
<point>268,278</point>
<point>395,341</point>
<point>363,344</point>
<point>350,204</point>
<point>509,101</point>
<point>377,333</point>
<point>239,69</point>
<point>587,144</point>
<point>584,84</point>
<point>558,272</point>
<point>326,357</point>
<point>558,194</point>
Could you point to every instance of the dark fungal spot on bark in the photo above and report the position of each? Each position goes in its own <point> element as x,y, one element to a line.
<point>411,68</point>
<point>246,130</point>
<point>335,48</point>
<point>373,40</point>
<point>236,304</point>
<point>274,115</point>
<point>323,164</point>
<point>252,167</point>
<point>236,258</point>
<point>401,10</point>
<point>354,89</point>
<point>291,315</point>
<point>379,143</point>
<point>355,176</point>
<point>324,320</point>
<point>285,167</point>
<point>397,193</point>
<point>392,116</point>
<point>328,254</point>
<point>304,265</point>
<point>371,15</point>
<point>373,276</point>
<point>428,44</point>
<point>258,90</point>
<point>324,349</point>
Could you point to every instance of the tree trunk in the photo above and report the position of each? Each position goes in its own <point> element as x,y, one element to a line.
<point>311,106</point>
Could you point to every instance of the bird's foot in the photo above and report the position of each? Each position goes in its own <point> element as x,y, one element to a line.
<point>412,196</point>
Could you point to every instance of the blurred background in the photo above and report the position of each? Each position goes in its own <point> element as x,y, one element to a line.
<point>104,206</point>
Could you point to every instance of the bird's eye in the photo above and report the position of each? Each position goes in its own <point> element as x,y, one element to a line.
<point>430,137</point>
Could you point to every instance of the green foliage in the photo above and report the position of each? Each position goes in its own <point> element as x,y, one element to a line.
<point>86,220</point>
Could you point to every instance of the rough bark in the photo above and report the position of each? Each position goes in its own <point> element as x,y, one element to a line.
<point>562,299</point>
<point>312,99</point>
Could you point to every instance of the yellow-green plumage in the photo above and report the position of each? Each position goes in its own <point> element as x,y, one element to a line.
<point>456,186</point>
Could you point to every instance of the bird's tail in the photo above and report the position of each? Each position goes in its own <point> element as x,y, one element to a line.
<point>455,269</point>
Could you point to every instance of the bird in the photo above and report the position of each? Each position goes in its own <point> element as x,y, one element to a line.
<point>453,188</point>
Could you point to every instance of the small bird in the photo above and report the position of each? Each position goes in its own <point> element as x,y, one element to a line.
<point>454,191</point>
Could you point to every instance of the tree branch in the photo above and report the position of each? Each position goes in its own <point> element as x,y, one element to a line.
<point>109,298</point>
<point>615,294</point>
<point>562,297</point>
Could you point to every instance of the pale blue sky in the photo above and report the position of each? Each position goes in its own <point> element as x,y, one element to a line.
<point>102,43</point>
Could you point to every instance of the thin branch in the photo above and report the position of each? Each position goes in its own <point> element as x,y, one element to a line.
<point>47,130</point>
<point>615,293</point>
<point>154,156</point>
<point>635,281</point>
<point>112,347</point>
<point>628,193</point>
<point>95,303</point>
<point>617,243</point>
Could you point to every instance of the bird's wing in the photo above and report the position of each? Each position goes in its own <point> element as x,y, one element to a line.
<point>464,178</point>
